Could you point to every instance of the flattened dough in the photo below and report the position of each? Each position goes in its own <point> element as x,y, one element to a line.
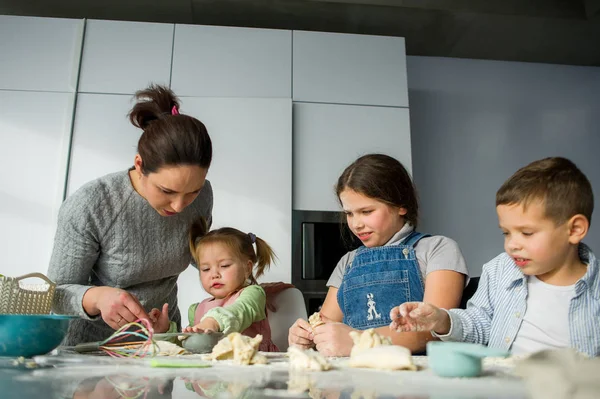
<point>367,339</point>
<point>307,360</point>
<point>241,348</point>
<point>388,357</point>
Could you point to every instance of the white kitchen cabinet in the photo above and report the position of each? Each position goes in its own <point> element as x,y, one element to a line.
<point>104,141</point>
<point>329,137</point>
<point>39,54</point>
<point>250,175</point>
<point>349,69</point>
<point>122,57</point>
<point>34,130</point>
<point>216,61</point>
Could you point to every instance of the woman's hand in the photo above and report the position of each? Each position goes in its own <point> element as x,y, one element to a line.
<point>419,316</point>
<point>300,335</point>
<point>207,325</point>
<point>333,339</point>
<point>160,320</point>
<point>116,306</point>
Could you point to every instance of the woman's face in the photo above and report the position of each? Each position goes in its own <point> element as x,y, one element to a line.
<point>372,221</point>
<point>171,189</point>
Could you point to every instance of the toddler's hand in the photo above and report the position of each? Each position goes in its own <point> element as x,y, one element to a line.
<point>419,316</point>
<point>205,326</point>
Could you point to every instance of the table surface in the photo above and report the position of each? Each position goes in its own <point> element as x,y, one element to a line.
<point>69,375</point>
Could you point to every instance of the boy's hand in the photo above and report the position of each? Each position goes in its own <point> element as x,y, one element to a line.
<point>419,316</point>
<point>207,325</point>
<point>160,320</point>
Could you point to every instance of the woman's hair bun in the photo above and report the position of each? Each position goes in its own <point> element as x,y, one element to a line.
<point>152,103</point>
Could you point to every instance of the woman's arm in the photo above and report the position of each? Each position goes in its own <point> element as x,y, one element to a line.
<point>74,254</point>
<point>76,249</point>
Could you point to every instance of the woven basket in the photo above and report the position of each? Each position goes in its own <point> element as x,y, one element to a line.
<point>19,298</point>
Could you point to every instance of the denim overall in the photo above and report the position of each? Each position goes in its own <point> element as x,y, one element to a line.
<point>378,279</point>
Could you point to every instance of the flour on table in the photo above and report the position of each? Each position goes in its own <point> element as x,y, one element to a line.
<point>241,348</point>
<point>387,357</point>
<point>307,360</point>
<point>367,339</point>
<point>561,374</point>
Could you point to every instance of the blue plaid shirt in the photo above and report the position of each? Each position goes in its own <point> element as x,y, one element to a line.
<point>495,313</point>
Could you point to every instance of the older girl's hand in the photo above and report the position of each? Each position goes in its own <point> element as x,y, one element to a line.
<point>333,339</point>
<point>419,316</point>
<point>300,335</point>
<point>117,307</point>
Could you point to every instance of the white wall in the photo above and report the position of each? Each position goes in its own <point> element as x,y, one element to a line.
<point>474,123</point>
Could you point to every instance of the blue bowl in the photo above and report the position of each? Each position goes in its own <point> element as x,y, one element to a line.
<point>459,359</point>
<point>31,335</point>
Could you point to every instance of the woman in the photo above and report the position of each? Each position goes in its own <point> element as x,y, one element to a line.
<point>121,240</point>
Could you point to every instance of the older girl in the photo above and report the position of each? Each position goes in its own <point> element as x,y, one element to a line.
<point>395,264</point>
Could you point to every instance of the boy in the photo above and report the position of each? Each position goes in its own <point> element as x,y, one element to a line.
<point>544,291</point>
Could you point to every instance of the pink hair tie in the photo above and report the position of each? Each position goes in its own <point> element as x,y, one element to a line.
<point>174,110</point>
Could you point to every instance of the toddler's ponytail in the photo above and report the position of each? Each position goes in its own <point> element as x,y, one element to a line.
<point>265,256</point>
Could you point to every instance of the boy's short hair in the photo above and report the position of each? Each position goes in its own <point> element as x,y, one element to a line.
<point>557,182</point>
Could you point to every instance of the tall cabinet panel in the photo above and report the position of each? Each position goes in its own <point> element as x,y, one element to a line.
<point>104,141</point>
<point>349,69</point>
<point>328,137</point>
<point>216,61</point>
<point>40,54</point>
<point>122,57</point>
<point>34,128</point>
<point>250,175</point>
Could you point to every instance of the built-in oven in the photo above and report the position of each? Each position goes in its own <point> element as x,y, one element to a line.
<point>319,240</point>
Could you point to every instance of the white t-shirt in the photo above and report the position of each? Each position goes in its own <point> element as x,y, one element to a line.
<point>433,253</point>
<point>546,321</point>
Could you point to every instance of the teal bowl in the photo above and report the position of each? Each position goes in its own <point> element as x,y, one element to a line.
<point>459,359</point>
<point>31,335</point>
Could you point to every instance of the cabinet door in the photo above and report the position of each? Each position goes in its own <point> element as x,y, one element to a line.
<point>250,175</point>
<point>123,57</point>
<point>104,141</point>
<point>349,69</point>
<point>328,138</point>
<point>34,129</point>
<point>214,61</point>
<point>40,54</point>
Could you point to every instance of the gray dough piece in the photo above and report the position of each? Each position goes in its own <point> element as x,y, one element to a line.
<point>202,342</point>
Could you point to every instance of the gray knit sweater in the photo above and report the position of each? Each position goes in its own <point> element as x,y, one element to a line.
<point>108,235</point>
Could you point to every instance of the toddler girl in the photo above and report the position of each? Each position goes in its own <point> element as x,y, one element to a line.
<point>229,267</point>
